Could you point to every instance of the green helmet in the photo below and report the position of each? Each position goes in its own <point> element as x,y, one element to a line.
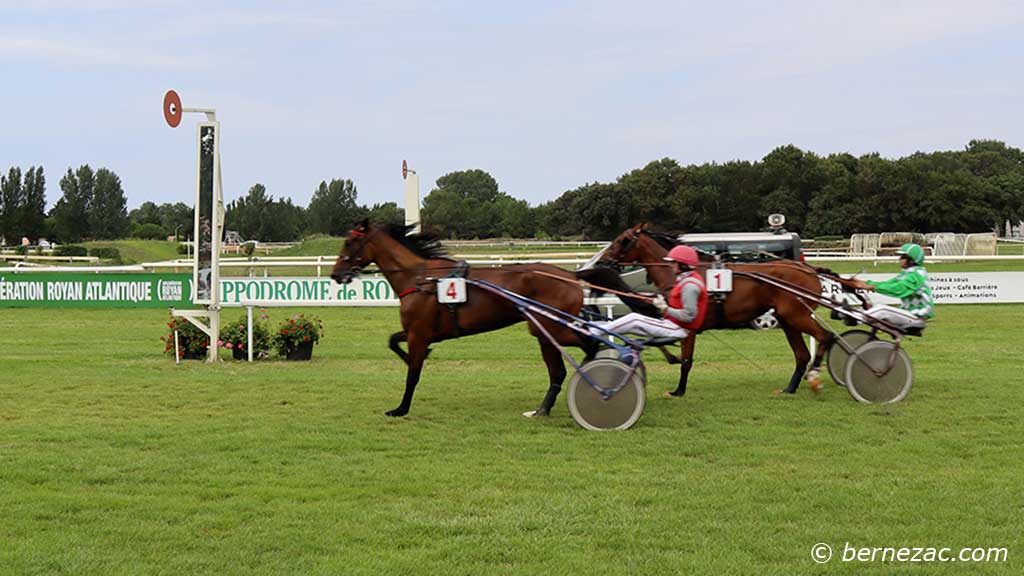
<point>912,251</point>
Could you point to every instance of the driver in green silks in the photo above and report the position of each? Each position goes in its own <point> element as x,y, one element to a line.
<point>910,285</point>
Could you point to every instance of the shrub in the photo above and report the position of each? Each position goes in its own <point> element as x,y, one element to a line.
<point>184,249</point>
<point>70,250</point>
<point>234,336</point>
<point>192,342</point>
<point>106,253</point>
<point>149,232</point>
<point>297,330</point>
<point>21,250</point>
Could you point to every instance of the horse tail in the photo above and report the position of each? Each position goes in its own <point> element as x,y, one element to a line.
<point>607,277</point>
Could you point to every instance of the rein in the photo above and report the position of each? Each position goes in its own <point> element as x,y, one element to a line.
<point>589,285</point>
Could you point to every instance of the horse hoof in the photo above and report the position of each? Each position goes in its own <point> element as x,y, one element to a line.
<point>396,413</point>
<point>671,395</point>
<point>538,413</point>
<point>778,392</point>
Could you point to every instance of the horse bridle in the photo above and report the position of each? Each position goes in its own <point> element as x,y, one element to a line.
<point>357,259</point>
<point>625,245</point>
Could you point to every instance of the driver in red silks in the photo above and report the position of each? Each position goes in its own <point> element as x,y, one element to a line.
<point>682,313</point>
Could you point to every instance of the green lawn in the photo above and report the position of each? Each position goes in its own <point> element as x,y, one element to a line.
<point>114,460</point>
<point>139,251</point>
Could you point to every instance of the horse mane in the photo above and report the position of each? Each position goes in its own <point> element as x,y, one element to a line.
<point>670,241</point>
<point>422,244</point>
<point>666,241</point>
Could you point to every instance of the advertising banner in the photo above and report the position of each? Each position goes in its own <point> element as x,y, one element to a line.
<point>175,290</point>
<point>362,291</point>
<point>96,290</point>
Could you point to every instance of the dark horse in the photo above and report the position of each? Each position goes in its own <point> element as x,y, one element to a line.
<point>748,299</point>
<point>411,261</point>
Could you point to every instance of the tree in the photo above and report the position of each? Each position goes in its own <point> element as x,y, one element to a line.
<point>790,177</point>
<point>147,213</point>
<point>387,213</point>
<point>333,209</point>
<point>515,219</point>
<point>70,221</point>
<point>467,184</point>
<point>463,205</point>
<point>33,210</point>
<point>257,216</point>
<point>647,192</point>
<point>443,213</point>
<point>250,215</point>
<point>12,200</point>
<point>177,217</point>
<point>108,212</point>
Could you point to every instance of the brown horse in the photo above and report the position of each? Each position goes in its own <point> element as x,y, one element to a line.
<point>410,262</point>
<point>748,299</point>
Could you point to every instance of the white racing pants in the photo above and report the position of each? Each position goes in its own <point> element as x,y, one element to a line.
<point>640,325</point>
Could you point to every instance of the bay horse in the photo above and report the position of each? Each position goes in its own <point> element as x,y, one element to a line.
<point>748,300</point>
<point>410,262</point>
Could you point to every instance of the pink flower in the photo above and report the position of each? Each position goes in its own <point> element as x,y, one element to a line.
<point>228,345</point>
<point>220,343</point>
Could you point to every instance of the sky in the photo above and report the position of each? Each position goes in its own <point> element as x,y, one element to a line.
<point>546,96</point>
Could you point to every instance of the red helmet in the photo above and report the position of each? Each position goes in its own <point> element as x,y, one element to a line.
<point>683,255</point>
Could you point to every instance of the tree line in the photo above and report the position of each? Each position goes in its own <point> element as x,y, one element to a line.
<point>970,190</point>
<point>93,205</point>
<point>973,190</point>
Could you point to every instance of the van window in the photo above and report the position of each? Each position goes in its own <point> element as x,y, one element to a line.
<point>748,250</point>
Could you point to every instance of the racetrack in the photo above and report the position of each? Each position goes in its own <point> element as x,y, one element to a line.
<point>114,460</point>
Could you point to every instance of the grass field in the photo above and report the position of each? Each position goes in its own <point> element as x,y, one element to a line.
<point>138,251</point>
<point>114,460</point>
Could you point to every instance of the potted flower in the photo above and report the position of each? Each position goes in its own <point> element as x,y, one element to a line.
<point>193,343</point>
<point>296,336</point>
<point>235,337</point>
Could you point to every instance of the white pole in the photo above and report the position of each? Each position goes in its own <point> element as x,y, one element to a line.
<point>248,326</point>
<point>177,356</point>
<point>412,200</point>
<point>217,227</point>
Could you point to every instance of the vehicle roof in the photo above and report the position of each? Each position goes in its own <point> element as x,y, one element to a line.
<point>737,236</point>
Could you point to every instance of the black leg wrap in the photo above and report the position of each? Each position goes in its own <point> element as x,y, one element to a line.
<point>549,401</point>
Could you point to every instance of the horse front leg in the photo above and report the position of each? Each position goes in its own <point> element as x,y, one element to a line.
<point>685,363</point>
<point>417,354</point>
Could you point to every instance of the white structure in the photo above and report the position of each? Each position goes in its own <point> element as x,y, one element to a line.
<point>412,196</point>
<point>209,220</point>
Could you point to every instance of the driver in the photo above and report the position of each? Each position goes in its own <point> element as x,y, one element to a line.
<point>682,313</point>
<point>910,285</point>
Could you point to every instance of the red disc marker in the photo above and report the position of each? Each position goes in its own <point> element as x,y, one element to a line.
<point>172,108</point>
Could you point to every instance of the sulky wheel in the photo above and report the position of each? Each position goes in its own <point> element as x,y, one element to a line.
<point>609,352</point>
<point>589,408</point>
<point>837,356</point>
<point>879,372</point>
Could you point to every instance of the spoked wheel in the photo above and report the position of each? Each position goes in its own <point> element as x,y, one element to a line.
<point>837,356</point>
<point>589,408</point>
<point>879,372</point>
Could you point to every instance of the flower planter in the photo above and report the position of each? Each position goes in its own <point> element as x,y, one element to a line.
<point>239,353</point>
<point>300,351</point>
<point>189,355</point>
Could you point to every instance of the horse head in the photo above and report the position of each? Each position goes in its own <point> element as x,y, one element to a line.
<point>625,248</point>
<point>355,254</point>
